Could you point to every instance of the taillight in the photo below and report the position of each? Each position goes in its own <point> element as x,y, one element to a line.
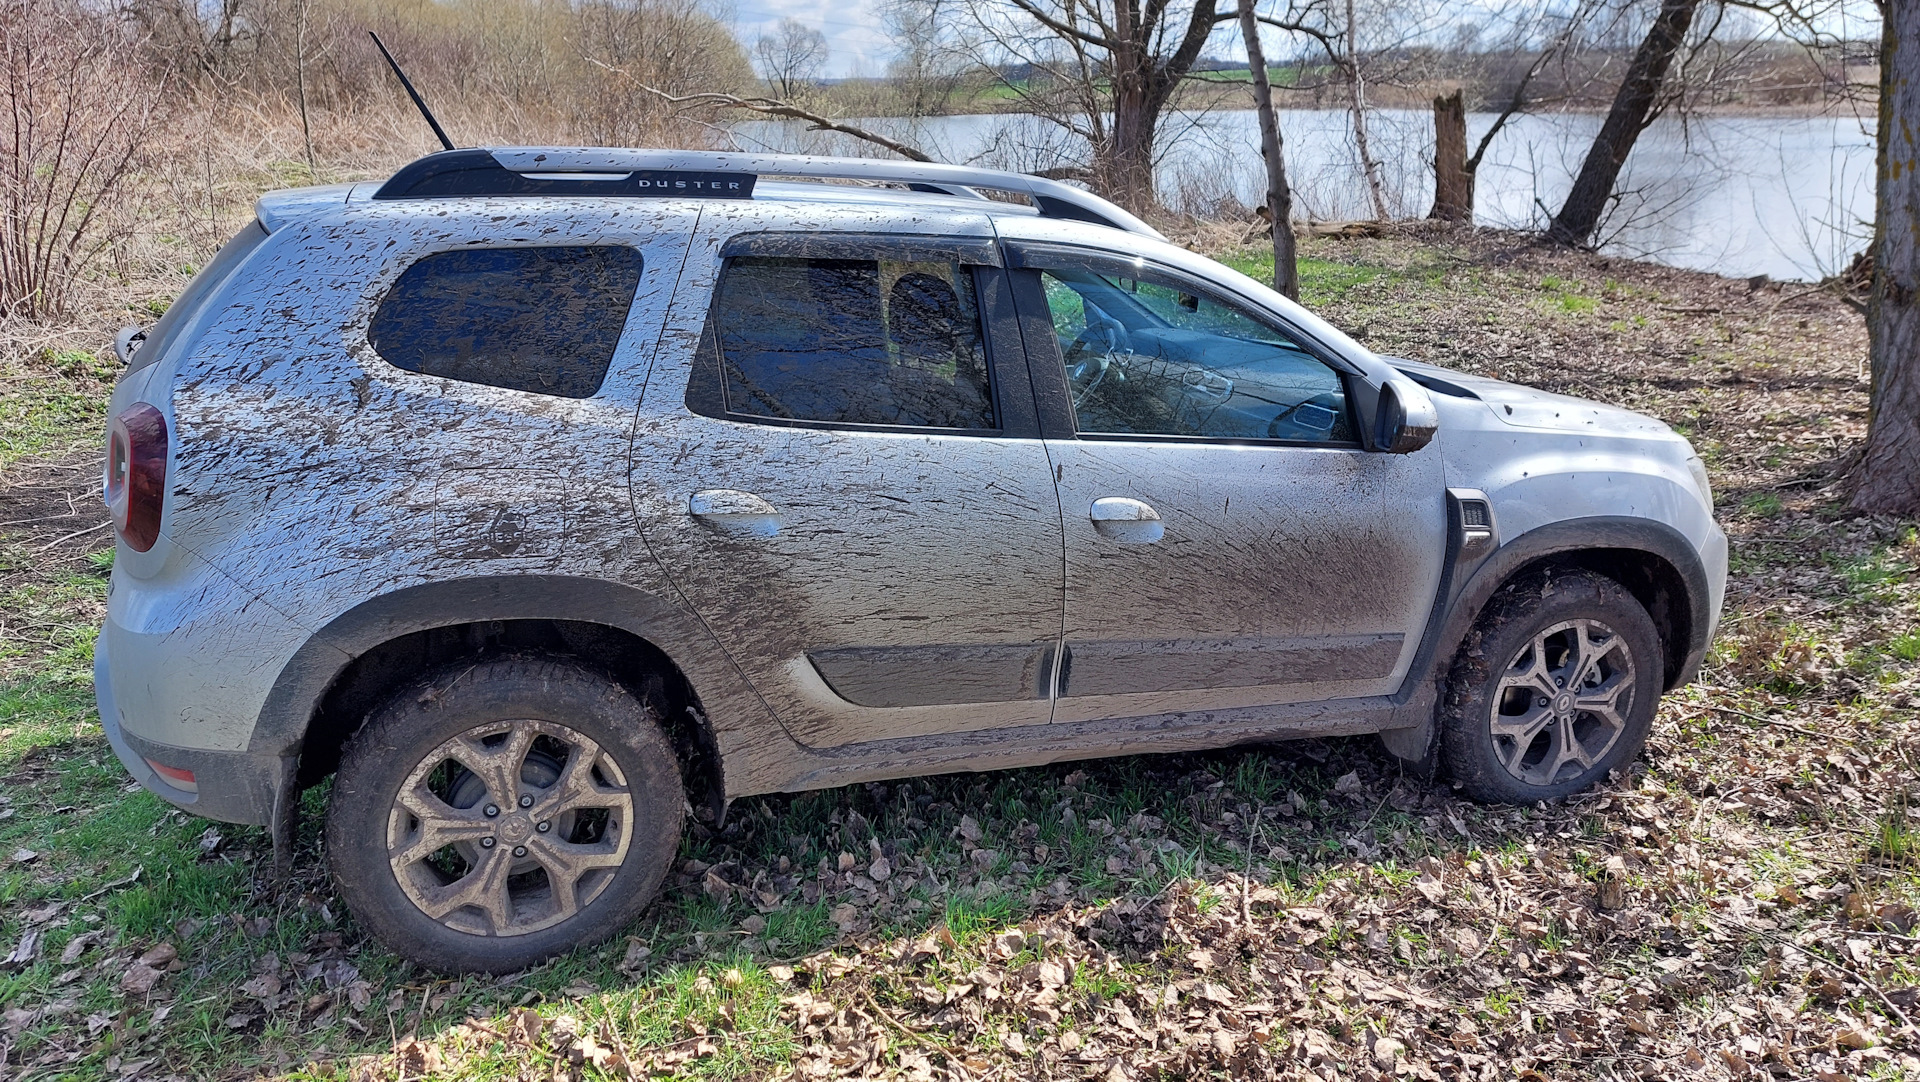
<point>137,474</point>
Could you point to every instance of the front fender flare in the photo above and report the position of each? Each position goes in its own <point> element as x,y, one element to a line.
<point>1587,539</point>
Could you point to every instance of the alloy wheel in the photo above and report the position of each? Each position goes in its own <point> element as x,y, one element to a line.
<point>509,827</point>
<point>1562,702</point>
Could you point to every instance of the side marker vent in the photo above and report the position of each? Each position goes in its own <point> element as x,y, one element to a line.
<point>1473,516</point>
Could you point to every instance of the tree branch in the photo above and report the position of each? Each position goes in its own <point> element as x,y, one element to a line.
<point>776,107</point>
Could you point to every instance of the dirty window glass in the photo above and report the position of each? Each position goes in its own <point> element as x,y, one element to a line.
<point>1145,357</point>
<point>853,341</point>
<point>529,319</point>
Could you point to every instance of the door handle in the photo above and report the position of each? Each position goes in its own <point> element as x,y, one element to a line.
<point>735,511</point>
<point>1128,521</point>
<point>1122,509</point>
<point>715,502</point>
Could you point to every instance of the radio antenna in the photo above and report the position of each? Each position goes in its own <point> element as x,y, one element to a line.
<point>411,92</point>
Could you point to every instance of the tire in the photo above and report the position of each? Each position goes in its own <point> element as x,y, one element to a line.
<point>1511,734</point>
<point>492,750</point>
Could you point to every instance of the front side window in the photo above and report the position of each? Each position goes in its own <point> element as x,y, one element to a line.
<point>544,320</point>
<point>1146,357</point>
<point>852,341</point>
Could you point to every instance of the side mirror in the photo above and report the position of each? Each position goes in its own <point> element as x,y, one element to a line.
<point>1405,419</point>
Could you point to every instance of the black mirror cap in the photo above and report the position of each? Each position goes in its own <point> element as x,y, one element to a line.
<point>1406,419</point>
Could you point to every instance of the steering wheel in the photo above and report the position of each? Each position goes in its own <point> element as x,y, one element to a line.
<point>1313,419</point>
<point>1091,353</point>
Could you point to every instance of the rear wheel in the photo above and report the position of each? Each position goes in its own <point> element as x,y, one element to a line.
<point>1555,687</point>
<point>503,812</point>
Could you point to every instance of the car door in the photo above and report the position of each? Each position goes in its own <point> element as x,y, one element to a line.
<point>847,483</point>
<point>1229,543</point>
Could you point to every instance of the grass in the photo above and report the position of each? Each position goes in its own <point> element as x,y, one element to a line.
<point>1782,767</point>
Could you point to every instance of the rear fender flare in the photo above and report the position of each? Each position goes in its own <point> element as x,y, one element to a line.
<point>740,721</point>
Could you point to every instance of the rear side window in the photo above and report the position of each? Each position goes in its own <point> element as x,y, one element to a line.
<point>544,320</point>
<point>852,341</point>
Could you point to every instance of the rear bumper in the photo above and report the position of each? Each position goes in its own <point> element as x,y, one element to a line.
<point>232,786</point>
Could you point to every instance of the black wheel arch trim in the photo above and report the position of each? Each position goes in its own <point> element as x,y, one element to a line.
<point>1468,589</point>
<point>741,722</point>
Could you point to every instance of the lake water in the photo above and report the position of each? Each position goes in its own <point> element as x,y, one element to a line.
<point>1788,197</point>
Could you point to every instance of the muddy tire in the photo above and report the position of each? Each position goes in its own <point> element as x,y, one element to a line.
<point>501,813</point>
<point>1554,687</point>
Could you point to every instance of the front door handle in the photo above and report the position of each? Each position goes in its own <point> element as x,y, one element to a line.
<point>1126,520</point>
<point>735,511</point>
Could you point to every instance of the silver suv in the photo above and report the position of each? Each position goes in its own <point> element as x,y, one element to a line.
<point>542,496</point>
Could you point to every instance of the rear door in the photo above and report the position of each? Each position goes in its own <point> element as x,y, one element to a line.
<point>844,480</point>
<point>1229,543</point>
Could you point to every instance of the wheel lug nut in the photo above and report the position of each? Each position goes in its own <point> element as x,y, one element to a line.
<point>544,827</point>
<point>519,850</point>
<point>493,810</point>
<point>1543,702</point>
<point>487,843</point>
<point>526,801</point>
<point>1559,681</point>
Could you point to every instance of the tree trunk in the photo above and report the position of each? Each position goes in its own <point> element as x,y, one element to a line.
<point>1129,179</point>
<point>1452,178</point>
<point>1357,99</point>
<point>1887,479</point>
<point>1286,269</point>
<point>1633,109</point>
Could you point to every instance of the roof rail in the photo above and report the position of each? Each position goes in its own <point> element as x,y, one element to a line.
<point>717,175</point>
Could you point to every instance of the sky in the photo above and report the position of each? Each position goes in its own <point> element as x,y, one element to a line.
<point>856,41</point>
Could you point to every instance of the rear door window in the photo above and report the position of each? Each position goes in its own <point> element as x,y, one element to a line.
<point>852,342</point>
<point>544,320</point>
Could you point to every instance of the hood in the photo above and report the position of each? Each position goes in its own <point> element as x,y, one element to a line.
<point>1525,407</point>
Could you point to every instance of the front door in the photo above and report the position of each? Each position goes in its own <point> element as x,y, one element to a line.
<point>846,483</point>
<point>1229,544</point>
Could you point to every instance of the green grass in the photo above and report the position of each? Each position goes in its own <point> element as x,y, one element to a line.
<point>1322,281</point>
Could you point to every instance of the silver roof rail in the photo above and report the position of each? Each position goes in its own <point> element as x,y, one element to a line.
<point>718,174</point>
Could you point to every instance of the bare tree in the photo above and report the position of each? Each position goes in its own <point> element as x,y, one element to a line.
<point>929,67</point>
<point>79,117</point>
<point>1104,70</point>
<point>1544,37</point>
<point>1364,44</point>
<point>1888,477</point>
<point>1286,268</point>
<point>1636,105</point>
<point>791,57</point>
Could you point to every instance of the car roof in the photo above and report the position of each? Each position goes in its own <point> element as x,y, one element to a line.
<point>620,173</point>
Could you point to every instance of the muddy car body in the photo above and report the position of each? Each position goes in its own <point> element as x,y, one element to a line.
<point>1081,493</point>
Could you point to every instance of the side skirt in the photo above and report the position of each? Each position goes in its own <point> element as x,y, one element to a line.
<point>1037,745</point>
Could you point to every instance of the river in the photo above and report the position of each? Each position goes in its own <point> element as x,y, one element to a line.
<point>1787,197</point>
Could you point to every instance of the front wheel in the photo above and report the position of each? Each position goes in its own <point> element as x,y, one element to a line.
<point>1554,688</point>
<point>502,813</point>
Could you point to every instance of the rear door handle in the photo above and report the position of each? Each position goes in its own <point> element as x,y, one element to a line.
<point>1126,520</point>
<point>735,511</point>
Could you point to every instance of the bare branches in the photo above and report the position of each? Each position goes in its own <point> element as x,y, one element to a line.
<point>76,124</point>
<point>779,108</point>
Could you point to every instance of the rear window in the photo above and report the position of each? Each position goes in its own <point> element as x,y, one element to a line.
<point>544,320</point>
<point>852,341</point>
<point>159,337</point>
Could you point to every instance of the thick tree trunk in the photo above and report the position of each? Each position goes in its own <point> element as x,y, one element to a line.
<point>1452,178</point>
<point>1129,179</point>
<point>1888,477</point>
<point>1286,269</point>
<point>1633,110</point>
